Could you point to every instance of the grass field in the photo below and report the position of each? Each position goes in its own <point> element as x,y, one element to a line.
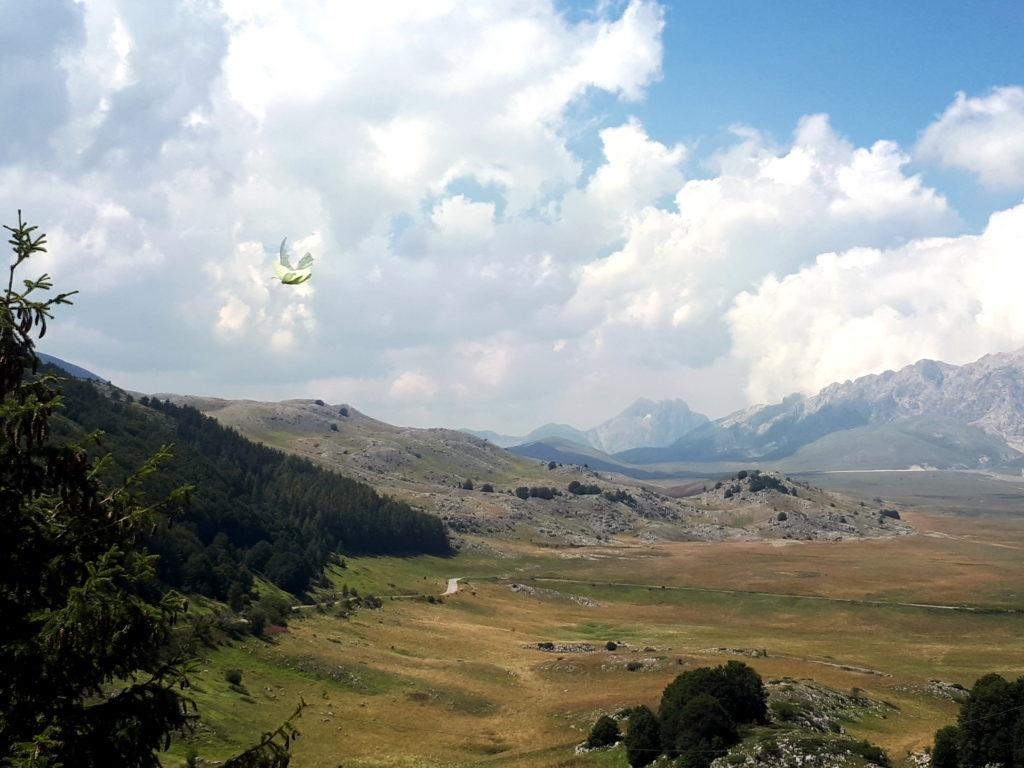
<point>463,684</point>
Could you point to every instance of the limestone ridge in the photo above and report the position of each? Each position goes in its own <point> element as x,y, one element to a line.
<point>975,409</point>
<point>644,423</point>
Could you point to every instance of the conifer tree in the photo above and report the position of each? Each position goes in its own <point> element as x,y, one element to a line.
<point>89,673</point>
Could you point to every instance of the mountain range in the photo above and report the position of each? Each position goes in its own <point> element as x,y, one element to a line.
<point>927,414</point>
<point>645,423</point>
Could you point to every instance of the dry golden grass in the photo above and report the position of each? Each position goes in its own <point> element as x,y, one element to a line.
<point>462,684</point>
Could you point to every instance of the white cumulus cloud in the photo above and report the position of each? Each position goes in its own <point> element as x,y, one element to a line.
<point>769,209</point>
<point>867,310</point>
<point>983,135</point>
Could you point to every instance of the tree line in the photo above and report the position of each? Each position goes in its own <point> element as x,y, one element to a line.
<point>254,509</point>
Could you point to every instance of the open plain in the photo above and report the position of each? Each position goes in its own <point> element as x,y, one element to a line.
<point>459,680</point>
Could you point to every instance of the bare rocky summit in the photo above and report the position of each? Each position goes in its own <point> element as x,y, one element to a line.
<point>926,414</point>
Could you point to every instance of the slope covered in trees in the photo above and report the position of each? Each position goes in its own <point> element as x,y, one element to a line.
<point>254,510</point>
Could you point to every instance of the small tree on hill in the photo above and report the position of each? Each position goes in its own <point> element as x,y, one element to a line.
<point>706,732</point>
<point>605,733</point>
<point>987,720</point>
<point>643,737</point>
<point>737,688</point>
<point>946,752</point>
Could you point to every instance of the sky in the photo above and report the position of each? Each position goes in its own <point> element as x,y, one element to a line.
<point>520,212</point>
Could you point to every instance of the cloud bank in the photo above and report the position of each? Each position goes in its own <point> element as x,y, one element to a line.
<point>476,264</point>
<point>867,310</point>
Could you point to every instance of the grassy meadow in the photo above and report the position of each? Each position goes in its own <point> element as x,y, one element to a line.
<point>462,683</point>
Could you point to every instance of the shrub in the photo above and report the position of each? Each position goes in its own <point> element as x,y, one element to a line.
<point>319,402</point>
<point>611,645</point>
<point>486,488</point>
<point>551,465</point>
<point>736,686</point>
<point>523,492</point>
<point>275,609</point>
<point>871,752</point>
<point>605,733</point>
<point>988,719</point>
<point>782,517</point>
<point>706,732</point>
<point>741,474</point>
<point>643,737</point>
<point>892,513</point>
<point>343,412</point>
<point>257,623</point>
<point>542,493</point>
<point>946,752</point>
<point>785,711</point>
<point>468,485</point>
<point>334,427</point>
<point>634,666</point>
<point>233,676</point>
<point>761,482</point>
<point>620,496</point>
<point>579,489</point>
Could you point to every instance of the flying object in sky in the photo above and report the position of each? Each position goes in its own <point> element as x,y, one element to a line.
<point>290,275</point>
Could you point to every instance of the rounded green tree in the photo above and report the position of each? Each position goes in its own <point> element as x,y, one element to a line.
<point>643,737</point>
<point>605,733</point>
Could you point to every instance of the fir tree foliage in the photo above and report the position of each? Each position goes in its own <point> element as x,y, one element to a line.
<point>84,679</point>
<point>89,676</point>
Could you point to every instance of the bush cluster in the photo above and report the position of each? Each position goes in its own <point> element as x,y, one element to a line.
<point>989,729</point>
<point>620,496</point>
<point>537,493</point>
<point>699,716</point>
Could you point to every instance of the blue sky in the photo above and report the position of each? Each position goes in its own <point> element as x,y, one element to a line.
<point>878,69</point>
<point>520,212</point>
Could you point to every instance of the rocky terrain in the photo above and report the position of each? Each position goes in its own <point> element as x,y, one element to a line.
<point>481,490</point>
<point>774,506</point>
<point>962,416</point>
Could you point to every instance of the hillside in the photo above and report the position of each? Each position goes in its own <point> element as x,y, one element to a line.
<point>254,509</point>
<point>481,490</point>
<point>942,415</point>
<point>75,370</point>
<point>568,452</point>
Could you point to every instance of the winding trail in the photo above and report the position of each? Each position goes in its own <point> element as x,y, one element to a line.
<point>453,587</point>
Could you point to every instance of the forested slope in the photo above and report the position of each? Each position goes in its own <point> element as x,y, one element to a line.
<point>254,510</point>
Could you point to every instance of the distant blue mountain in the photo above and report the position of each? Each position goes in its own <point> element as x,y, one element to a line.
<point>645,423</point>
<point>75,370</point>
